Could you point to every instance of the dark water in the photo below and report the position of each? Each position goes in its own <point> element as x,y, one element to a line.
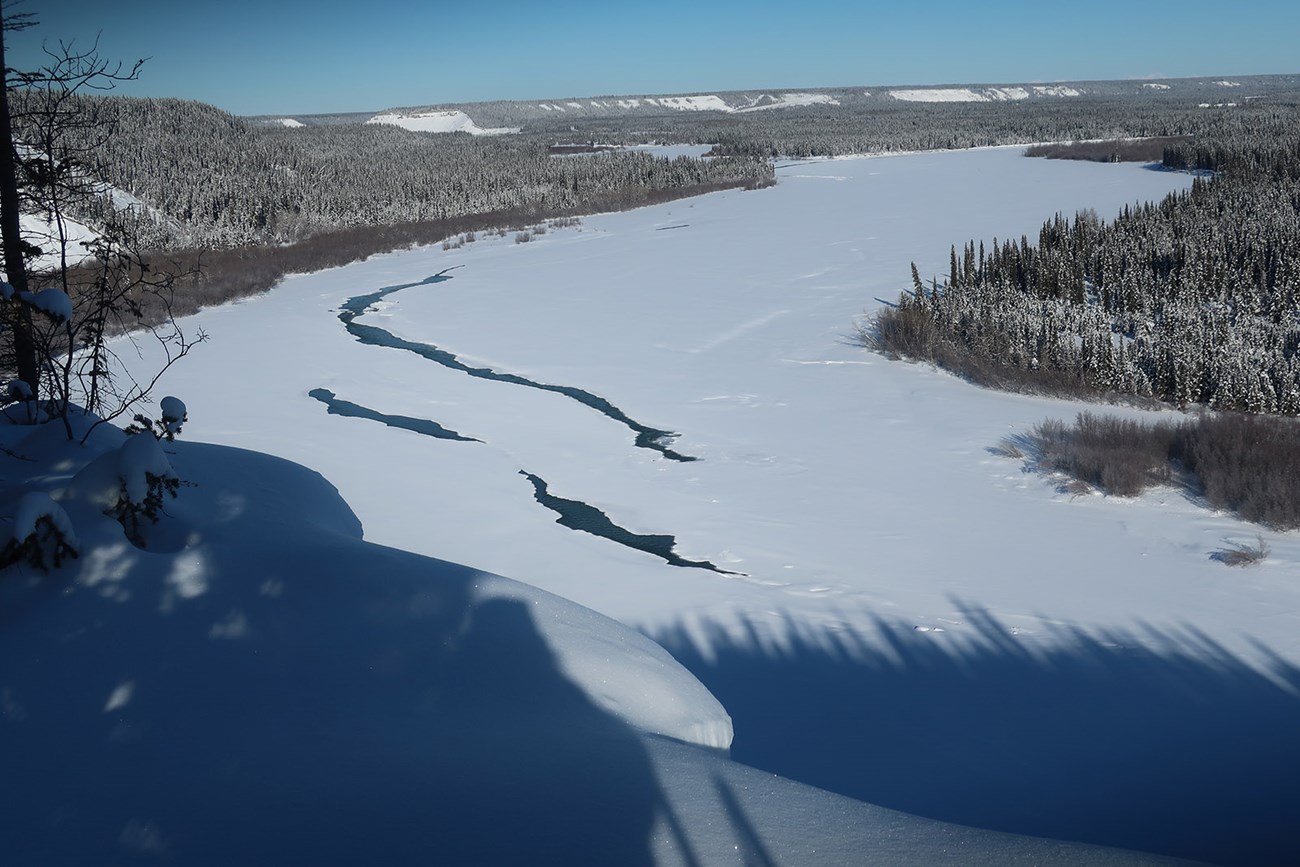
<point>403,422</point>
<point>577,515</point>
<point>574,514</point>
<point>646,437</point>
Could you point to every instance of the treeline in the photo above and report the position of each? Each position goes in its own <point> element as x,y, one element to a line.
<point>187,174</point>
<point>1192,300</point>
<point>820,131</point>
<point>197,176</point>
<point>213,276</point>
<point>1124,150</point>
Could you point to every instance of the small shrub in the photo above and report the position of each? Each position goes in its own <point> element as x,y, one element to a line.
<point>523,237</point>
<point>42,534</point>
<point>167,426</point>
<point>905,331</point>
<point>1242,553</point>
<point>146,479</point>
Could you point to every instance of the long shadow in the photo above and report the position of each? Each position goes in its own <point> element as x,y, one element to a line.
<point>1156,739</point>
<point>295,696</point>
<point>646,437</point>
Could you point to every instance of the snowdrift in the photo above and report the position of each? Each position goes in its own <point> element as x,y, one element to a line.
<point>261,686</point>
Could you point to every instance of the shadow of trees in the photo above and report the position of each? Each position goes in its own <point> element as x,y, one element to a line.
<point>306,700</point>
<point>1153,739</point>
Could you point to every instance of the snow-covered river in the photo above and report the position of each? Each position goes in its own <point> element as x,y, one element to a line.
<point>865,542</point>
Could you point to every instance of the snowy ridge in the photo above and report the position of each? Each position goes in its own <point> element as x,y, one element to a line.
<point>789,100</point>
<point>701,102</point>
<point>984,94</point>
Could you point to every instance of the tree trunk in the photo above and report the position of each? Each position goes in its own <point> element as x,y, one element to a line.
<point>11,235</point>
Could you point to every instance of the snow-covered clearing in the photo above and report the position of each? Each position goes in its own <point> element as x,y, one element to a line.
<point>913,621</point>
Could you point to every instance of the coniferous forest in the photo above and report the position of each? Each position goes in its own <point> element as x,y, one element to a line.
<point>1192,300</point>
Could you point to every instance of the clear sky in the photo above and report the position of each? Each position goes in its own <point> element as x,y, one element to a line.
<point>300,57</point>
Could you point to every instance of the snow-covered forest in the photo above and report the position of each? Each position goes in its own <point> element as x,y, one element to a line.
<point>1192,299</point>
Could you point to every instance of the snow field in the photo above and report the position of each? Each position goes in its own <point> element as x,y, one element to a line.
<point>858,496</point>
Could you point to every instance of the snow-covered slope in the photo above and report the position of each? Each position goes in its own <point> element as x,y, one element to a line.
<point>45,234</point>
<point>438,121</point>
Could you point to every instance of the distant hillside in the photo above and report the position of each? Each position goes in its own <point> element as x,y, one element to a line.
<point>520,115</point>
<point>195,176</point>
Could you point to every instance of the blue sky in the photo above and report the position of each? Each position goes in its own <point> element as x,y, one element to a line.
<point>294,56</point>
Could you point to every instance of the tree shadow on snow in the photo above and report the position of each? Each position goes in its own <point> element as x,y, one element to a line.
<point>306,700</point>
<point>1157,740</point>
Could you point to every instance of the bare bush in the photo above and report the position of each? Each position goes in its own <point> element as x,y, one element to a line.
<point>1242,553</point>
<point>523,237</point>
<point>1246,464</point>
<point>1114,455</point>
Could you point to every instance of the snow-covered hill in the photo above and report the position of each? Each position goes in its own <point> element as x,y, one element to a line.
<point>983,94</point>
<point>502,116</point>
